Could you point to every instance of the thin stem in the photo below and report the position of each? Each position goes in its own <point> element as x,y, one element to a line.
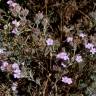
<point>46,2</point>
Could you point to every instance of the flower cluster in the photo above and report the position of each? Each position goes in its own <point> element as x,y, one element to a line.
<point>16,23</point>
<point>16,70</point>
<point>4,65</point>
<point>91,47</point>
<point>63,56</point>
<point>11,3</point>
<point>67,80</point>
<point>14,7</point>
<point>12,68</point>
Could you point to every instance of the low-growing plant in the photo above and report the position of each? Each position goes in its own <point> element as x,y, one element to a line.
<point>47,48</point>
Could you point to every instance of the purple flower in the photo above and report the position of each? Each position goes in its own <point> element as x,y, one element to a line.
<point>49,41</point>
<point>79,58</point>
<point>69,39</point>
<point>66,80</point>
<point>62,56</point>
<point>15,66</point>
<point>5,64</point>
<point>14,4</point>
<point>16,23</point>
<point>2,68</point>
<point>82,35</point>
<point>89,45</point>
<point>63,65</point>
<point>9,2</point>
<point>15,31</point>
<point>17,75</point>
<point>14,86</point>
<point>17,71</point>
<point>93,50</point>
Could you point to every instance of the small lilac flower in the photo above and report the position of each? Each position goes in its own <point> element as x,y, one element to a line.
<point>2,68</point>
<point>63,65</point>
<point>14,4</point>
<point>93,50</point>
<point>89,45</point>
<point>17,75</point>
<point>69,39</point>
<point>15,31</point>
<point>62,56</point>
<point>14,86</point>
<point>15,66</point>
<point>67,80</point>
<point>49,41</point>
<point>9,2</point>
<point>16,23</point>
<point>79,58</point>
<point>82,35</point>
<point>17,71</point>
<point>5,64</point>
